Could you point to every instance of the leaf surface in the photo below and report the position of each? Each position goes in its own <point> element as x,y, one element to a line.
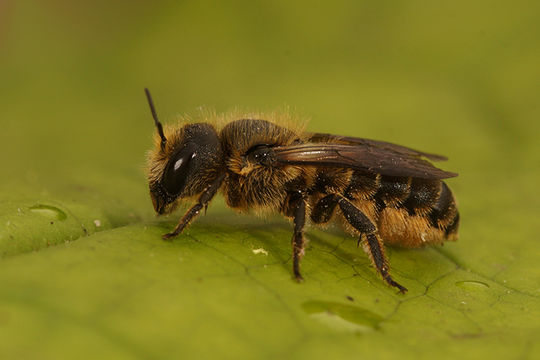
<point>84,272</point>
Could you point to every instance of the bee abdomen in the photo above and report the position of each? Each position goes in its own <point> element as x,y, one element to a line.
<point>332,180</point>
<point>451,230</point>
<point>392,191</point>
<point>409,212</point>
<point>444,209</point>
<point>362,186</point>
<point>423,196</point>
<point>413,211</point>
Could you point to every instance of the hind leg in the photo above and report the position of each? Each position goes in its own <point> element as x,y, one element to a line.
<point>373,246</point>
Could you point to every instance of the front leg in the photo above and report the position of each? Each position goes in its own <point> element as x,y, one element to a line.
<point>295,207</point>
<point>203,201</point>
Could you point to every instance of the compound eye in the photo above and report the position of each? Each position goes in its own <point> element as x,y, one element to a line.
<point>176,173</point>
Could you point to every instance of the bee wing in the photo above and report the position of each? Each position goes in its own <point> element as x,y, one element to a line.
<point>373,144</point>
<point>372,157</point>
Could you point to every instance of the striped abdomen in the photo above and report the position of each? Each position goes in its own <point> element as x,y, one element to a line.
<point>409,212</point>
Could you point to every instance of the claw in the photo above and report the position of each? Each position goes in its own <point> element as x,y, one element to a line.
<point>168,236</point>
<point>391,282</point>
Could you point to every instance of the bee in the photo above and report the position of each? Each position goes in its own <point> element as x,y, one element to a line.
<point>381,193</point>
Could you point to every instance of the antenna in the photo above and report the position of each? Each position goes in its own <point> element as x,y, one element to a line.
<point>156,121</point>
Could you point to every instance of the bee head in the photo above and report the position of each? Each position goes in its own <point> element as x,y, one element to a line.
<point>182,165</point>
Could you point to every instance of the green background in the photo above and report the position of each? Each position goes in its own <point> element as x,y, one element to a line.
<point>83,271</point>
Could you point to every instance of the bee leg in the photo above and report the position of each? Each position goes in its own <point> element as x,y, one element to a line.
<point>295,207</point>
<point>195,210</point>
<point>324,209</point>
<point>373,245</point>
<point>375,249</point>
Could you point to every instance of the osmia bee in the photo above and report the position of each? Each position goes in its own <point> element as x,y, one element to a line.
<point>381,192</point>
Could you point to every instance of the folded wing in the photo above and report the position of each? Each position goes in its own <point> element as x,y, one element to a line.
<point>370,156</point>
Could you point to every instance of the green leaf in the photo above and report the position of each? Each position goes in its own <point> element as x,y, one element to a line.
<point>84,272</point>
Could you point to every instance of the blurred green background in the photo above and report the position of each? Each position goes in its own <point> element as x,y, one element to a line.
<point>83,271</point>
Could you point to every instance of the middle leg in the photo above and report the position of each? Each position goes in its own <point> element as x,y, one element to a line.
<point>295,207</point>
